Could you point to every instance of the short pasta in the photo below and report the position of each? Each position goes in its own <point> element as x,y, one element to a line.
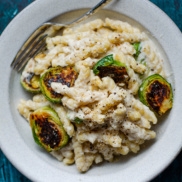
<point>114,121</point>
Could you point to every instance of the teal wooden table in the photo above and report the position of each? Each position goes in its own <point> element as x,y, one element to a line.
<point>9,9</point>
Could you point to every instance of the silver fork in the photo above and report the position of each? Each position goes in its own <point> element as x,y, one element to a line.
<point>36,42</point>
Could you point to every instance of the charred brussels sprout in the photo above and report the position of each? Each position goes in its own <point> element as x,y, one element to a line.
<point>107,66</point>
<point>47,129</point>
<point>156,93</point>
<point>30,82</point>
<point>64,75</point>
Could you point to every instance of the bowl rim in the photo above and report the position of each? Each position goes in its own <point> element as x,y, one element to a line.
<point>174,137</point>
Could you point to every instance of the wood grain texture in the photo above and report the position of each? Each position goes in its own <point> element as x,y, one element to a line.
<point>9,9</point>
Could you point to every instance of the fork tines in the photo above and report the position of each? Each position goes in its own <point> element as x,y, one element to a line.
<point>35,44</point>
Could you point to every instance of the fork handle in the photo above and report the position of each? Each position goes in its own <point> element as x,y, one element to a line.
<point>90,12</point>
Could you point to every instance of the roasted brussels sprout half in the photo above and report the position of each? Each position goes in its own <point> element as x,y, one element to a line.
<point>64,75</point>
<point>107,66</point>
<point>156,93</point>
<point>30,82</point>
<point>47,129</point>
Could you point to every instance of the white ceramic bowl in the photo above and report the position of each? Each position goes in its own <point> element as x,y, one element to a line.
<point>15,134</point>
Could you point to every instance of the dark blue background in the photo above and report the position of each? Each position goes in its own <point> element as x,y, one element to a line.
<point>9,9</point>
